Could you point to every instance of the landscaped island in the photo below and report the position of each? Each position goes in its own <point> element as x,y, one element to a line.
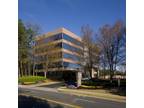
<point>31,79</point>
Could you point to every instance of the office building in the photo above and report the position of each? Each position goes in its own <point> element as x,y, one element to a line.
<point>56,54</point>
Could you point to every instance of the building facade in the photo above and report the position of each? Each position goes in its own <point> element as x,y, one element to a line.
<point>56,53</point>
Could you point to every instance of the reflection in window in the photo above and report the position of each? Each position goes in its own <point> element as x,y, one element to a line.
<point>70,65</point>
<point>49,39</point>
<point>70,56</point>
<point>66,37</point>
<point>71,48</point>
<point>39,66</point>
<point>55,65</point>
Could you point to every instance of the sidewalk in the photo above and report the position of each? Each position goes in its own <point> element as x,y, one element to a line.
<point>100,93</point>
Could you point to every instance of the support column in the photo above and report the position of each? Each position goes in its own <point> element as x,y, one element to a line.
<point>45,74</point>
<point>98,73</point>
<point>79,77</point>
<point>118,82</point>
<point>92,73</point>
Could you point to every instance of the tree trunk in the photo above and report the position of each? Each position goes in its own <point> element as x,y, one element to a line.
<point>29,68</point>
<point>111,72</point>
<point>111,75</point>
<point>90,71</point>
<point>21,68</point>
<point>19,74</point>
<point>33,69</point>
<point>25,69</point>
<point>19,71</point>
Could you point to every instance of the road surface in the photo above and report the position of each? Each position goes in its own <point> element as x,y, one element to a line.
<point>71,101</point>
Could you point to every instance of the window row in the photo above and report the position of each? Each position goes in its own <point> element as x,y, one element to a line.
<point>55,47</point>
<point>58,65</point>
<point>48,48</point>
<point>70,65</point>
<point>50,57</point>
<point>72,40</point>
<point>49,39</point>
<point>70,56</point>
<point>57,37</point>
<point>53,56</point>
<point>71,48</point>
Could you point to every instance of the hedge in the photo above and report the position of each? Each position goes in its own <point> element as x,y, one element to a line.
<point>33,79</point>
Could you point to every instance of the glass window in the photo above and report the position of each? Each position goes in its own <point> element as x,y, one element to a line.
<point>55,65</point>
<point>39,66</point>
<point>59,45</point>
<point>66,37</point>
<point>70,56</point>
<point>49,39</point>
<point>48,48</point>
<point>70,65</point>
<point>71,48</point>
<point>58,64</point>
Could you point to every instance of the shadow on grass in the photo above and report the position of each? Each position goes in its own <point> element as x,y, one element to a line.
<point>107,85</point>
<point>30,102</point>
<point>118,91</point>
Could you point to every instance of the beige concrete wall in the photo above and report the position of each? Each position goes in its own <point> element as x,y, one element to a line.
<point>60,30</point>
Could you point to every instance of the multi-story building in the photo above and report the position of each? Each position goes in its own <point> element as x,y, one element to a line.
<point>56,53</point>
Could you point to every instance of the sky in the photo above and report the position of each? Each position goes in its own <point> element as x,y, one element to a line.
<point>71,14</point>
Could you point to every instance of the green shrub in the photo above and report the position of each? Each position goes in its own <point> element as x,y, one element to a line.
<point>104,83</point>
<point>31,79</point>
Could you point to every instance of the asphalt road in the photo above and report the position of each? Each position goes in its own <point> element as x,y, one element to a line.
<point>72,101</point>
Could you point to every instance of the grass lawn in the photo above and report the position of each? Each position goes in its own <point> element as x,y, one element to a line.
<point>31,79</point>
<point>105,84</point>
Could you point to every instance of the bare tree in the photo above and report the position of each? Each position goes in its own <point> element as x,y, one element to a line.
<point>90,49</point>
<point>49,57</point>
<point>112,43</point>
<point>52,57</point>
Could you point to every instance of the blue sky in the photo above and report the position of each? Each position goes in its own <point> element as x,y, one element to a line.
<point>71,14</point>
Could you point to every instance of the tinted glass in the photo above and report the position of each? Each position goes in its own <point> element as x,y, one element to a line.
<point>70,56</point>
<point>47,48</point>
<point>70,65</point>
<point>71,48</point>
<point>56,65</point>
<point>59,45</point>
<point>38,66</point>
<point>66,37</point>
<point>49,39</point>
